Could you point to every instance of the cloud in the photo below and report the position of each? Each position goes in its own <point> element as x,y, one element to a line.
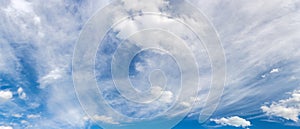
<point>286,108</point>
<point>136,5</point>
<point>51,77</point>
<point>7,58</point>
<point>6,127</point>
<point>21,93</point>
<point>17,115</point>
<point>21,5</point>
<point>256,38</point>
<point>6,95</point>
<point>41,35</point>
<point>232,121</point>
<point>165,96</point>
<point>33,116</point>
<point>105,119</point>
<point>274,70</point>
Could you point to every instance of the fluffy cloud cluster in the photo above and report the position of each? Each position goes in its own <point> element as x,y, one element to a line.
<point>232,121</point>
<point>287,108</point>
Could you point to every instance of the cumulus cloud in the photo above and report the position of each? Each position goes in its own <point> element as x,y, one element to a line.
<point>274,70</point>
<point>6,95</point>
<point>232,121</point>
<point>21,93</point>
<point>286,108</point>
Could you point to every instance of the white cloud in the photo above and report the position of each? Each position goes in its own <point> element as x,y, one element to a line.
<point>274,70</point>
<point>21,93</point>
<point>137,5</point>
<point>7,57</point>
<point>287,108</point>
<point>232,121</point>
<point>33,116</point>
<point>17,115</point>
<point>51,29</point>
<point>6,127</point>
<point>6,94</point>
<point>24,122</point>
<point>105,119</point>
<point>139,67</point>
<point>257,37</point>
<point>253,44</point>
<point>165,96</point>
<point>254,39</point>
<point>21,5</point>
<point>51,77</point>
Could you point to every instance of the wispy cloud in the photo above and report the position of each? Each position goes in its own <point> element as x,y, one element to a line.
<point>260,41</point>
<point>37,39</point>
<point>104,119</point>
<point>260,38</point>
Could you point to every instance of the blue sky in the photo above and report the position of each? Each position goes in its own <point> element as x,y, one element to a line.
<point>260,40</point>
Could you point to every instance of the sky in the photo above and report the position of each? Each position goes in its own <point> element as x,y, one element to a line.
<point>236,62</point>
